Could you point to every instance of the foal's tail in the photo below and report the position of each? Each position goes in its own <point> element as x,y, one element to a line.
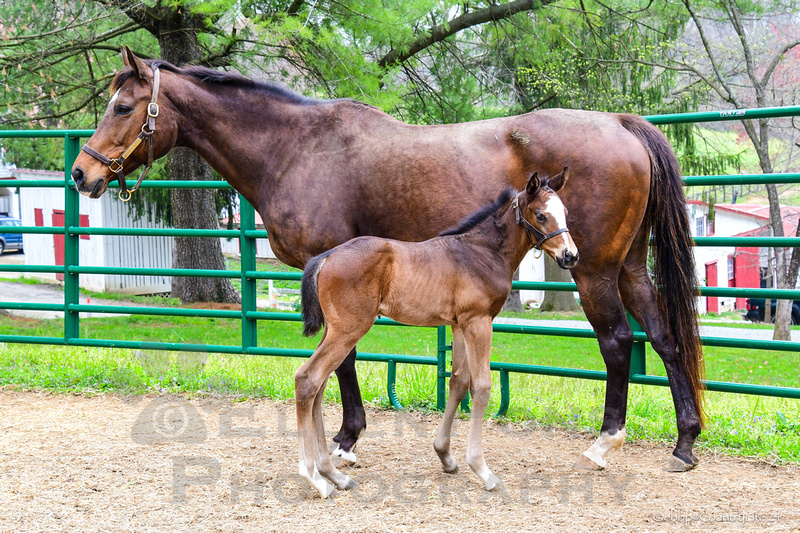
<point>676,283</point>
<point>313,319</point>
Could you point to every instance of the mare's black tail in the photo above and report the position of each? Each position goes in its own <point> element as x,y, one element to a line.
<point>676,282</point>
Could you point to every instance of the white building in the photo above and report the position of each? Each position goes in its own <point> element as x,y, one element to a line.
<point>45,207</point>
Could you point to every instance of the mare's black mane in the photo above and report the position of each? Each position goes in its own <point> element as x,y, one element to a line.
<point>217,77</point>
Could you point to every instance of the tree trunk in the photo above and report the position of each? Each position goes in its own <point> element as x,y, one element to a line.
<point>194,208</point>
<point>191,208</point>
<point>513,302</point>
<point>559,301</point>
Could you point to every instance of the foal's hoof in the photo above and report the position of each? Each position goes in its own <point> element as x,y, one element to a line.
<point>584,463</point>
<point>347,485</point>
<point>676,464</point>
<point>341,458</point>
<point>449,465</point>
<point>493,482</point>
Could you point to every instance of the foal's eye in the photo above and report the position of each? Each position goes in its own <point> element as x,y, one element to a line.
<point>541,218</point>
<point>123,110</point>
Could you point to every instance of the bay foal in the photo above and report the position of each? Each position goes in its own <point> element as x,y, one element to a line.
<point>460,278</point>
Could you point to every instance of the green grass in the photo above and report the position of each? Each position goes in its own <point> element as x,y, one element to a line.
<point>738,424</point>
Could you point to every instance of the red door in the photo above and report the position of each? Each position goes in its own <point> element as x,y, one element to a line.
<point>712,302</point>
<point>58,240</point>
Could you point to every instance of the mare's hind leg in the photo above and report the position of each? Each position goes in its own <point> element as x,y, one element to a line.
<point>478,339</point>
<point>640,299</point>
<point>459,384</point>
<point>354,419</point>
<point>603,308</point>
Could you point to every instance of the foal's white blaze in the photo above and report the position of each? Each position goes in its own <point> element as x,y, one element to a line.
<point>604,444</point>
<point>114,98</point>
<point>555,208</point>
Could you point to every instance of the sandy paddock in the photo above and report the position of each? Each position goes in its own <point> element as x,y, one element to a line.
<point>107,463</point>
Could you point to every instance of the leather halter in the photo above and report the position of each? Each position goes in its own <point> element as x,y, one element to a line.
<point>148,129</point>
<point>529,229</point>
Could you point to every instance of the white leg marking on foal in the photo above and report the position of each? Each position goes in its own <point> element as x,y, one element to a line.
<point>604,444</point>
<point>347,456</point>
<point>319,483</point>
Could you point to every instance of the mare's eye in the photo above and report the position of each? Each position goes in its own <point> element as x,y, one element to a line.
<point>123,110</point>
<point>541,218</point>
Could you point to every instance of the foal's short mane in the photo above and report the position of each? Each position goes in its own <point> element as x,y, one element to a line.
<point>482,214</point>
<point>207,75</point>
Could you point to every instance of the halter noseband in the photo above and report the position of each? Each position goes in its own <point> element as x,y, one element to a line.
<point>148,129</point>
<point>529,229</point>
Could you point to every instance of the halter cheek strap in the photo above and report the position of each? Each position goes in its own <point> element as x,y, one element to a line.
<point>146,135</point>
<point>530,231</point>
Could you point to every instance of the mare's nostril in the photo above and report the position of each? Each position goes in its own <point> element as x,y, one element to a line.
<point>77,176</point>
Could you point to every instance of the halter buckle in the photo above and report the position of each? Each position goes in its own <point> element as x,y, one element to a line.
<point>118,166</point>
<point>152,109</point>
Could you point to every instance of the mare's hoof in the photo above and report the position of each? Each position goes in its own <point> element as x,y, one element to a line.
<point>676,464</point>
<point>341,458</point>
<point>493,482</point>
<point>584,463</point>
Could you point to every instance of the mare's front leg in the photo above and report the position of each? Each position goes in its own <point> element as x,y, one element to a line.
<point>603,307</point>
<point>354,419</point>
<point>478,340</point>
<point>459,384</point>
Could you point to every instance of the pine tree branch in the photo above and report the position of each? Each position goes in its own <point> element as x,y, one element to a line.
<point>467,20</point>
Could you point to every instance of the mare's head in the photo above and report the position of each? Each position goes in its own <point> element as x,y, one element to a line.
<point>136,128</point>
<point>540,212</point>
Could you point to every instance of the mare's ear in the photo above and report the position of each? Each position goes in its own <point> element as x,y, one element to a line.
<point>140,69</point>
<point>533,184</point>
<point>558,181</point>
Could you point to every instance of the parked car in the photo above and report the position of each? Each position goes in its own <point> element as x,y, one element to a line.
<point>10,241</point>
<point>756,310</point>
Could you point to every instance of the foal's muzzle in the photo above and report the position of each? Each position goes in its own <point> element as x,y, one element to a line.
<point>567,259</point>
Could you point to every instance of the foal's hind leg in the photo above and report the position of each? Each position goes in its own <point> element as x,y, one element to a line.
<point>459,384</point>
<point>640,299</point>
<point>310,379</point>
<point>324,464</point>
<point>603,308</point>
<point>478,339</point>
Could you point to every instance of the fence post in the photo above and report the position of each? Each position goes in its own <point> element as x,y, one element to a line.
<point>247,222</point>
<point>638,365</point>
<point>71,242</point>
<point>441,365</point>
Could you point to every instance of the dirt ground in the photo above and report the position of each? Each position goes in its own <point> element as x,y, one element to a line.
<point>109,463</point>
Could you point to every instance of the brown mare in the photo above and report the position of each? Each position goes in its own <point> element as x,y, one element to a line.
<point>323,172</point>
<point>460,279</point>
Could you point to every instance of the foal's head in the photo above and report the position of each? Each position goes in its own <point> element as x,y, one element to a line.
<point>543,216</point>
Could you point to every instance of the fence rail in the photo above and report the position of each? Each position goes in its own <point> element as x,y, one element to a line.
<point>249,315</point>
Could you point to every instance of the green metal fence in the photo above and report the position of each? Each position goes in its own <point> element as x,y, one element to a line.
<point>249,315</point>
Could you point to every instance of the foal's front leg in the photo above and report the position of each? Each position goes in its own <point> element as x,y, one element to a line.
<point>459,384</point>
<point>478,338</point>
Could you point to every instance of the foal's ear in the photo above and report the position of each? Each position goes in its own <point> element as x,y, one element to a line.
<point>558,181</point>
<point>139,67</point>
<point>533,184</point>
